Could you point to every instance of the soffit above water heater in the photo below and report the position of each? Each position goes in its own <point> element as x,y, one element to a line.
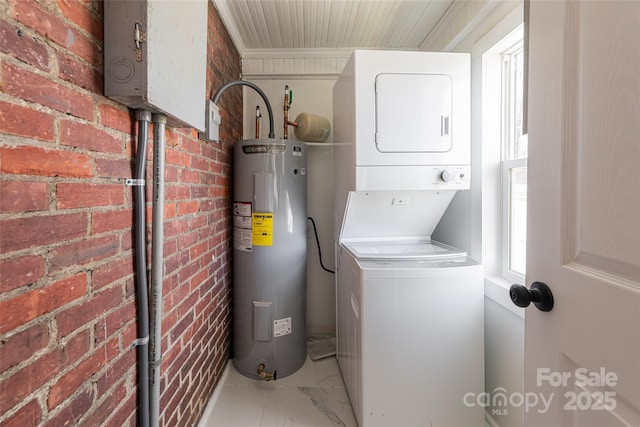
<point>155,54</point>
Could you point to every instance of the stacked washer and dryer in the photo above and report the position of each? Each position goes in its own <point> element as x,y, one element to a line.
<point>410,310</point>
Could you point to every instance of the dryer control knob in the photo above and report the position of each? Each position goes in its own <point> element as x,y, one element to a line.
<point>447,175</point>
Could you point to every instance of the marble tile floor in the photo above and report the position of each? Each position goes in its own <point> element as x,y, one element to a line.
<point>314,395</point>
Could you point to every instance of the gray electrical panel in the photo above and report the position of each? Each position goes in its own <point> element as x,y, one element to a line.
<point>155,57</point>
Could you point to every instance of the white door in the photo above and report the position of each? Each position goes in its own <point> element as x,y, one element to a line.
<point>582,359</point>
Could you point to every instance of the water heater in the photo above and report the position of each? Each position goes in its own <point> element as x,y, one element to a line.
<point>269,257</point>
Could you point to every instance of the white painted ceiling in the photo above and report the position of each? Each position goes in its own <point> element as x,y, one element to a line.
<point>275,25</point>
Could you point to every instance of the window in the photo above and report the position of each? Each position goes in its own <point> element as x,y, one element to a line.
<point>504,159</point>
<point>514,164</point>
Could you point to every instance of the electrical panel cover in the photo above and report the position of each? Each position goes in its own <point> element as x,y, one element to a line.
<point>155,54</point>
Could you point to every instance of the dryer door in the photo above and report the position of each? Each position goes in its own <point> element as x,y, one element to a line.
<point>413,113</point>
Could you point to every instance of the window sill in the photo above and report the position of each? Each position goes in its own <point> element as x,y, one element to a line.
<point>497,290</point>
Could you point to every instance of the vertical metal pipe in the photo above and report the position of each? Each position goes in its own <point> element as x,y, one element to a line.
<point>286,113</point>
<point>142,302</point>
<point>157,265</point>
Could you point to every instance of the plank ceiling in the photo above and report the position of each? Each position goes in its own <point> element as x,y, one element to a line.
<point>265,25</point>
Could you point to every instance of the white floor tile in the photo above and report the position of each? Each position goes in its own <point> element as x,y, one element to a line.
<point>312,396</point>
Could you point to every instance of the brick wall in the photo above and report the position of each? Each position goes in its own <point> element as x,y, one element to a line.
<point>67,296</point>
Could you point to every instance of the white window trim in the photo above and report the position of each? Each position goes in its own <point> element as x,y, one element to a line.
<point>508,273</point>
<point>487,55</point>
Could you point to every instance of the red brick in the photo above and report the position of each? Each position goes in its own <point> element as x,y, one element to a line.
<point>129,335</point>
<point>175,297</point>
<point>23,196</point>
<point>125,416</point>
<point>79,72</point>
<point>29,232</point>
<point>178,158</point>
<point>172,137</point>
<point>188,175</point>
<point>199,221</point>
<point>115,321</point>
<point>22,345</point>
<point>29,415</point>
<point>207,178</point>
<point>196,251</point>
<point>81,15</point>
<point>114,168</point>
<point>24,47</point>
<point>79,195</point>
<point>103,222</point>
<point>109,403</point>
<point>26,307</point>
<point>32,87</point>
<point>177,192</point>
<point>180,327</point>
<point>81,135</point>
<point>55,29</point>
<point>186,208</point>
<point>115,118</point>
<point>201,163</point>
<point>174,228</point>
<point>172,406</point>
<point>198,280</point>
<point>20,271</point>
<point>169,320</point>
<point>27,160</point>
<point>15,388</point>
<point>171,175</point>
<point>199,192</point>
<point>82,252</point>
<point>83,314</point>
<point>24,121</point>
<point>170,210</point>
<point>73,380</point>
<point>116,372</point>
<point>187,239</point>
<point>70,414</point>
<point>191,145</point>
<point>112,271</point>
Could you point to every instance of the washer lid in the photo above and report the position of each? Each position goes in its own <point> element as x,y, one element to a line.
<point>403,249</point>
<point>393,215</point>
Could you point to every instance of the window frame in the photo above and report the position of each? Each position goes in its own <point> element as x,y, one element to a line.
<point>510,157</point>
<point>496,163</point>
<point>507,272</point>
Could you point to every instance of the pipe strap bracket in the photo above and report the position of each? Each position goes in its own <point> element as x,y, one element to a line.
<point>155,363</point>
<point>135,182</point>
<point>140,341</point>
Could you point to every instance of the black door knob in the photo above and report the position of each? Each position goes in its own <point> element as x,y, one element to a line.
<point>540,295</point>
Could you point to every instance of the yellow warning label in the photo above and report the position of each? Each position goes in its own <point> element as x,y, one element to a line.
<point>262,229</point>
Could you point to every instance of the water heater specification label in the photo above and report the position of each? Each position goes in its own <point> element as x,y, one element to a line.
<point>282,327</point>
<point>262,229</point>
<point>242,239</point>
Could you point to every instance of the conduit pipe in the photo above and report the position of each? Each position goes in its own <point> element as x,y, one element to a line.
<point>257,89</point>
<point>142,303</point>
<point>157,265</point>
